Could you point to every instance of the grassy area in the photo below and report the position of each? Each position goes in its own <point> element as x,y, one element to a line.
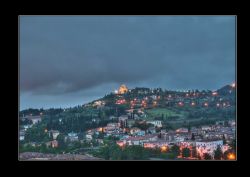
<point>157,112</point>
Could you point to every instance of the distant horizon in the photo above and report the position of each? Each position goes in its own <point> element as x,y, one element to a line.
<point>71,106</point>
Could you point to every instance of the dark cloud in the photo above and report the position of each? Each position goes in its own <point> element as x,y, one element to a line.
<point>62,55</point>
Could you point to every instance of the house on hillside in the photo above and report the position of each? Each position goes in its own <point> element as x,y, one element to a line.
<point>156,123</point>
<point>72,137</point>
<point>34,119</point>
<point>21,135</point>
<point>54,133</point>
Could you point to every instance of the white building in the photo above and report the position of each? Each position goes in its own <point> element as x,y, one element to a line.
<point>206,127</point>
<point>21,135</point>
<point>34,119</point>
<point>54,133</point>
<point>89,137</point>
<point>208,147</point>
<point>27,126</point>
<point>134,130</point>
<point>232,123</point>
<point>72,136</point>
<point>156,123</point>
<point>140,140</point>
<point>179,138</point>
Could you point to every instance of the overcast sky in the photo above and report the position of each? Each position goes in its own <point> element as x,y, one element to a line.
<point>70,60</point>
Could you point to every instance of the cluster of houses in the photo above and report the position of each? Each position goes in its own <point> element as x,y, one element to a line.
<point>205,138</point>
<point>34,120</point>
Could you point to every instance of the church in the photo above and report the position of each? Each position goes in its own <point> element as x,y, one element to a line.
<point>123,89</point>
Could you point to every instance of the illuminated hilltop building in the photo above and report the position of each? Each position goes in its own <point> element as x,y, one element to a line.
<point>123,89</point>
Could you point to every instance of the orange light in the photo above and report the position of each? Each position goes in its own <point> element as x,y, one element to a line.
<point>231,156</point>
<point>121,144</point>
<point>164,148</point>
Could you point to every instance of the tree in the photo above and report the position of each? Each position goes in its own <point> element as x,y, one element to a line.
<point>61,142</point>
<point>186,152</point>
<point>218,154</point>
<point>207,156</point>
<point>43,148</point>
<point>175,150</point>
<point>225,155</point>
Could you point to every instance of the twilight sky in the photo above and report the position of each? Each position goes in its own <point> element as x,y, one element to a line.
<point>70,60</point>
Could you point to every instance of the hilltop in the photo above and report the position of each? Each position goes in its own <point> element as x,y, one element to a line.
<point>139,114</point>
<point>145,104</point>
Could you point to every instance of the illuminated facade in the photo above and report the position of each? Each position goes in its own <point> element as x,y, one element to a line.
<point>123,89</point>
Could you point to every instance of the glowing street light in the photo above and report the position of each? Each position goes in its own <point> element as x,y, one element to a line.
<point>192,104</point>
<point>233,85</point>
<point>164,148</point>
<point>206,104</point>
<point>231,156</point>
<point>218,104</point>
